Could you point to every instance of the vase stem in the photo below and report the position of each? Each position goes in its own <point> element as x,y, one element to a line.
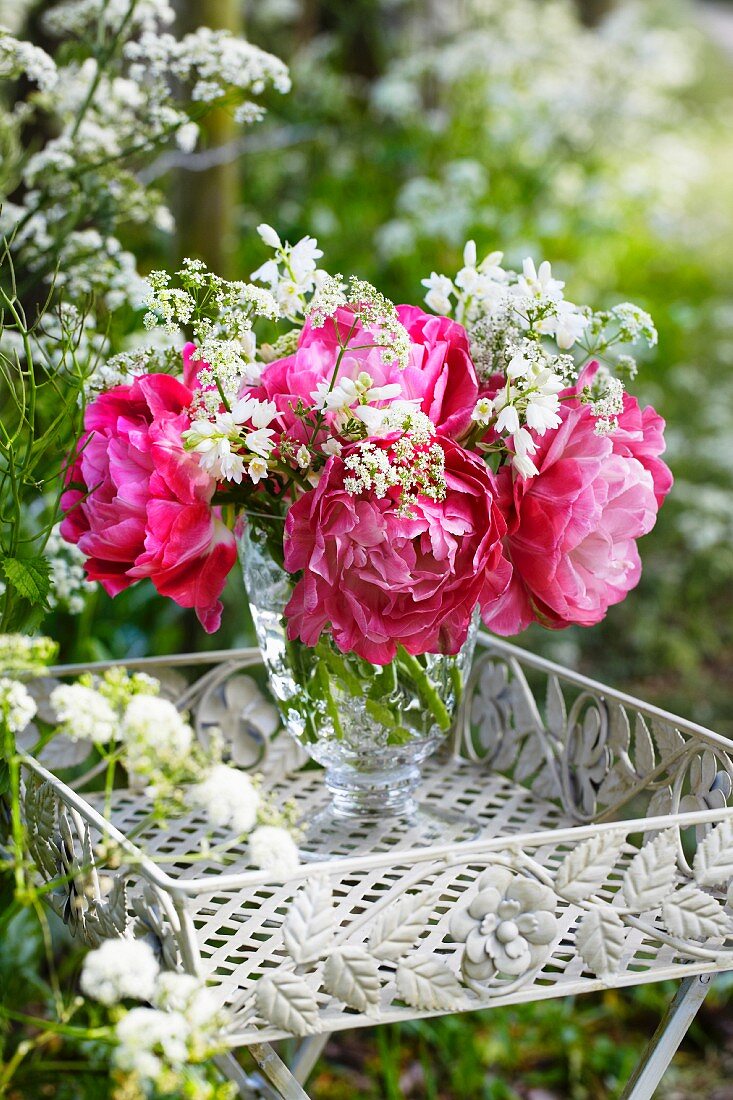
<point>373,794</point>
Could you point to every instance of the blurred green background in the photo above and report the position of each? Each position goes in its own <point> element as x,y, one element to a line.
<point>596,135</point>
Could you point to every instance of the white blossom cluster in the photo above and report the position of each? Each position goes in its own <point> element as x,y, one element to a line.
<point>413,465</point>
<point>355,399</point>
<point>236,441</point>
<point>83,714</point>
<point>81,190</point>
<point>69,585</point>
<point>120,970</point>
<point>77,17</point>
<point>220,314</point>
<point>292,275</point>
<point>180,1025</point>
<point>22,653</point>
<point>18,58</point>
<point>522,332</point>
<point>367,305</point>
<point>156,737</point>
<point>17,706</point>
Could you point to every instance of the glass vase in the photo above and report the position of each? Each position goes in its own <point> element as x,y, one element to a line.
<point>370,726</point>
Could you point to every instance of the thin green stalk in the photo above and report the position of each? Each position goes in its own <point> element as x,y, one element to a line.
<point>102,61</point>
<point>425,687</point>
<point>71,1031</point>
<point>323,681</point>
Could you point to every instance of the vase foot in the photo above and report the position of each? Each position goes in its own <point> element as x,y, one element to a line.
<point>329,834</point>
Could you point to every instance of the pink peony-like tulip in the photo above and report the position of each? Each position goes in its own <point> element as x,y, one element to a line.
<point>145,506</point>
<point>572,529</point>
<point>439,375</point>
<point>377,579</point>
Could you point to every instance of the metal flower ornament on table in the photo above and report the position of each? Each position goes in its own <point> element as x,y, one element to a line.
<point>710,784</point>
<point>508,928</point>
<point>242,716</point>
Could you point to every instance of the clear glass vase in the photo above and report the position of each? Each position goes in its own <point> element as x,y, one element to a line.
<point>370,726</point>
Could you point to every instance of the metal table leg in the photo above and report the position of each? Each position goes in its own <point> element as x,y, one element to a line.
<point>250,1086</point>
<point>307,1055</point>
<point>667,1038</point>
<point>278,1073</point>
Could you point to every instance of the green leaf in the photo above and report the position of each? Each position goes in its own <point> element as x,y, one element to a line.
<point>31,577</point>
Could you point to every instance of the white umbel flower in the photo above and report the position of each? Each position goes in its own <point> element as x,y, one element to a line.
<point>155,734</point>
<point>17,707</point>
<point>272,848</point>
<point>143,1031</point>
<point>119,969</point>
<point>84,714</point>
<point>188,995</point>
<point>228,797</point>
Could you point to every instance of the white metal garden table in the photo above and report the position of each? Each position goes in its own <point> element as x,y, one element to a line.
<point>604,858</point>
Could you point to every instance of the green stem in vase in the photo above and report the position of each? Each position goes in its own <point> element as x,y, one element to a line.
<point>456,677</point>
<point>338,666</point>
<point>425,687</point>
<point>322,680</point>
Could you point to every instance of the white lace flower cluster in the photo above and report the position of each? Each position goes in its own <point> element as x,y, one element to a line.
<point>232,801</point>
<point>18,58</point>
<point>22,653</point>
<point>221,313</point>
<point>77,17</point>
<point>522,332</point>
<point>414,465</point>
<point>69,585</point>
<point>180,1026</point>
<point>367,305</point>
<point>214,63</point>
<point>17,706</point>
<point>148,90</point>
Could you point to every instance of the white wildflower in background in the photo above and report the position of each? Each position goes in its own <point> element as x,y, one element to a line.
<point>21,653</point>
<point>17,707</point>
<point>272,848</point>
<point>228,797</point>
<point>188,995</point>
<point>69,585</point>
<point>84,714</point>
<point>120,969</point>
<point>148,1038</point>
<point>77,17</point>
<point>18,58</point>
<point>102,115</point>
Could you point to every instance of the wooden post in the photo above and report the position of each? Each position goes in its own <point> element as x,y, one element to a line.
<point>206,201</point>
<point>593,11</point>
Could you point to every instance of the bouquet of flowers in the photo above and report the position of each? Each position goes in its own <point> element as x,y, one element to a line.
<point>389,474</point>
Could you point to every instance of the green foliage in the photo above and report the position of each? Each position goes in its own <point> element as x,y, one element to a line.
<point>30,577</point>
